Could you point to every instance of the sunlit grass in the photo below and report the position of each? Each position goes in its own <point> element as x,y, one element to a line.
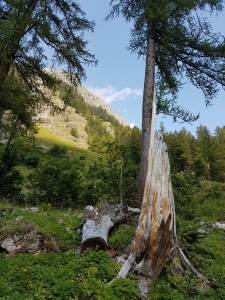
<point>48,139</point>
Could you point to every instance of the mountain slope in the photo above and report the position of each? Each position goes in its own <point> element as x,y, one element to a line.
<point>61,120</point>
<point>89,97</point>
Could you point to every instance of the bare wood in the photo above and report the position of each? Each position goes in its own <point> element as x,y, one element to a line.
<point>135,211</point>
<point>97,223</point>
<point>127,265</point>
<point>155,242</point>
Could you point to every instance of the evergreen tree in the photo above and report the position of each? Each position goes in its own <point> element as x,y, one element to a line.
<point>173,36</point>
<point>220,154</point>
<point>207,146</point>
<point>183,151</point>
<point>27,30</point>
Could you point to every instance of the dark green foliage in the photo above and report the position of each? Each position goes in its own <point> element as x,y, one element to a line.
<point>203,155</point>
<point>25,26</point>
<point>59,24</point>
<point>57,151</point>
<point>10,178</point>
<point>184,188</point>
<point>185,43</point>
<point>122,236</point>
<point>74,132</point>
<point>166,104</point>
<point>31,160</point>
<point>64,277</point>
<point>56,183</point>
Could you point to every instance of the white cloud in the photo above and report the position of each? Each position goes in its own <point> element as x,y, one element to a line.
<point>110,94</point>
<point>132,125</point>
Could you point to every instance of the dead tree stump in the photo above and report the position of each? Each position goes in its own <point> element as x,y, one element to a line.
<point>155,243</point>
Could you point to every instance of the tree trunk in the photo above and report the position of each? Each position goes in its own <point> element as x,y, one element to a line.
<point>146,114</point>
<point>155,243</point>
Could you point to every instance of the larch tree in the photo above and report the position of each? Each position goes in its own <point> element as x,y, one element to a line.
<point>179,45</point>
<point>28,30</point>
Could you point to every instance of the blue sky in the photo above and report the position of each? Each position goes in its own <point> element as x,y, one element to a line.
<point>119,76</point>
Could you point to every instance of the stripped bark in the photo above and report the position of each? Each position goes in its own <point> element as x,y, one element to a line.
<point>155,243</point>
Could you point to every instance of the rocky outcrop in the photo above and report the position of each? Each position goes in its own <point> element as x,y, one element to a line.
<point>88,97</point>
<point>18,237</point>
<point>30,241</point>
<point>27,240</point>
<point>62,120</point>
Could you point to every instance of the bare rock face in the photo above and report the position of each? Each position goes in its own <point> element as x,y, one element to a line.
<point>31,241</point>
<point>61,119</point>
<point>88,97</point>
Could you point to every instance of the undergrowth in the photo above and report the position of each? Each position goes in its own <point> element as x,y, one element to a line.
<point>63,277</point>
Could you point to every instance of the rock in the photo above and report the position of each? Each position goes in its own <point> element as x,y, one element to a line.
<point>18,218</point>
<point>69,230</point>
<point>8,245</point>
<point>30,241</point>
<point>33,209</point>
<point>202,231</point>
<point>201,223</point>
<point>220,225</point>
<point>17,237</point>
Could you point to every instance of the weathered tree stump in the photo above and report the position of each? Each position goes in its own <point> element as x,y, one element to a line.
<point>155,243</point>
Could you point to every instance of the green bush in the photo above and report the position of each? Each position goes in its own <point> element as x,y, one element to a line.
<point>121,237</point>
<point>57,151</point>
<point>74,132</point>
<point>31,160</point>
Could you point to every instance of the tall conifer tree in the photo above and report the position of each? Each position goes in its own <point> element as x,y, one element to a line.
<point>28,29</point>
<point>178,44</point>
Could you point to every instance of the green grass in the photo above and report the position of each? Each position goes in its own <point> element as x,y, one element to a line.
<point>85,279</point>
<point>122,236</point>
<point>49,139</point>
<point>63,275</point>
<point>60,224</point>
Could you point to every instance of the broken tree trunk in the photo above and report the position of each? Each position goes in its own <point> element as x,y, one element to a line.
<point>97,223</point>
<point>155,243</point>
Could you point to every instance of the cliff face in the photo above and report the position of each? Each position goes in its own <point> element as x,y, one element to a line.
<point>60,121</point>
<point>89,97</point>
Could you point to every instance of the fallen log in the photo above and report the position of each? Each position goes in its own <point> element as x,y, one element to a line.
<point>97,222</point>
